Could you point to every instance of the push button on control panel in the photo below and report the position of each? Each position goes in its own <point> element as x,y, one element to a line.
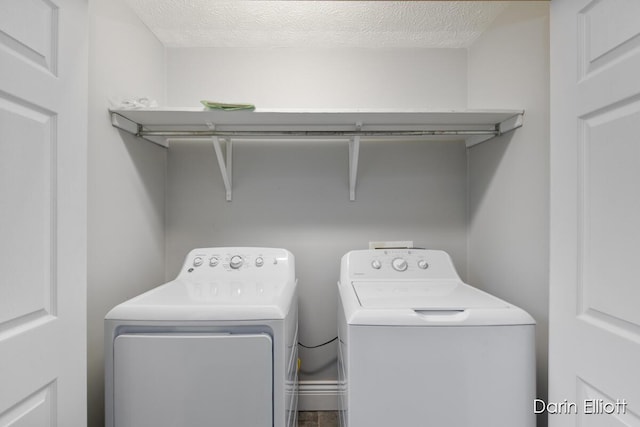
<point>197,261</point>
<point>213,261</point>
<point>259,261</point>
<point>376,264</point>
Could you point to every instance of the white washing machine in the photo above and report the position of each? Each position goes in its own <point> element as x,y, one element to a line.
<point>418,347</point>
<point>217,346</point>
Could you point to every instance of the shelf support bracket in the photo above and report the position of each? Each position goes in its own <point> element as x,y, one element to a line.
<point>354,152</point>
<point>225,167</point>
<point>510,124</point>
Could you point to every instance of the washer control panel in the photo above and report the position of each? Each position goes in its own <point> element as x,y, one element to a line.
<point>414,264</point>
<point>230,262</point>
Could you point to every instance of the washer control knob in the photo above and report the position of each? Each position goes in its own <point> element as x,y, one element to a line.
<point>376,264</point>
<point>423,264</point>
<point>259,261</point>
<point>236,262</point>
<point>399,264</point>
<point>197,261</point>
<point>213,261</point>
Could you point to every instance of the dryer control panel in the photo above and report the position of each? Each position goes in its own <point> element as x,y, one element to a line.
<point>397,264</point>
<point>231,263</point>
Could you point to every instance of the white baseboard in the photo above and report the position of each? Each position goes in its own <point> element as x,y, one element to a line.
<point>318,396</point>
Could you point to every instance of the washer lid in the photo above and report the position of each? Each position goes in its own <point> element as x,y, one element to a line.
<point>426,303</point>
<point>424,295</point>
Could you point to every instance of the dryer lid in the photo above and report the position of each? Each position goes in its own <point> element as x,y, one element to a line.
<point>424,295</point>
<point>209,300</point>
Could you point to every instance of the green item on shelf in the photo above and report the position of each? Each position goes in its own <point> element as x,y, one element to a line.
<point>227,107</point>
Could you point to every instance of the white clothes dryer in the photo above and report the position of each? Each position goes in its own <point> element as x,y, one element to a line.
<point>418,347</point>
<point>216,346</point>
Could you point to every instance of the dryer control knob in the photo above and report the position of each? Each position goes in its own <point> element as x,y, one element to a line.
<point>213,261</point>
<point>236,262</point>
<point>259,261</point>
<point>376,264</point>
<point>423,264</point>
<point>197,261</point>
<point>399,264</point>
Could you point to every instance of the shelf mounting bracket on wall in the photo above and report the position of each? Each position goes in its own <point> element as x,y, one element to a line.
<point>354,153</point>
<point>225,167</point>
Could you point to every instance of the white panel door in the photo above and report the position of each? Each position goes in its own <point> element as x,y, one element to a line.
<point>43,96</point>
<point>595,213</point>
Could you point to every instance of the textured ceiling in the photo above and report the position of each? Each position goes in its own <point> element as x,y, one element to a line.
<point>369,24</point>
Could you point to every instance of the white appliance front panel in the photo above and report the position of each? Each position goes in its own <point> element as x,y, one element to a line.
<point>480,376</point>
<point>192,380</point>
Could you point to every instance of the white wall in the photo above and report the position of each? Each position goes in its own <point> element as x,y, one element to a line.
<point>126,179</point>
<point>319,78</point>
<point>295,195</point>
<point>509,176</point>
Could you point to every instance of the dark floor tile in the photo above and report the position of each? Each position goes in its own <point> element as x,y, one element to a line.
<point>307,419</point>
<point>318,419</point>
<point>328,419</point>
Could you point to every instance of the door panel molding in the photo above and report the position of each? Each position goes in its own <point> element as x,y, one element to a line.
<point>599,47</point>
<point>37,409</point>
<point>29,28</point>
